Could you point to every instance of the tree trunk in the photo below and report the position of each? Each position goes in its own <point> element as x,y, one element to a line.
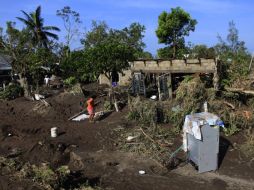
<point>24,84</point>
<point>174,50</point>
<point>174,46</point>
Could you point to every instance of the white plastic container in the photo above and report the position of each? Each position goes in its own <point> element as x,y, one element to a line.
<point>53,131</point>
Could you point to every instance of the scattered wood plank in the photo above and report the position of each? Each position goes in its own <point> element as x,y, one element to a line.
<point>84,111</point>
<point>45,102</point>
<point>76,115</point>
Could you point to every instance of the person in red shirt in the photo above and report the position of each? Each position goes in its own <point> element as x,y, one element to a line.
<point>90,109</point>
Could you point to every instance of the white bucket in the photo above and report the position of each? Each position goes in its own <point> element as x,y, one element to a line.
<point>53,132</point>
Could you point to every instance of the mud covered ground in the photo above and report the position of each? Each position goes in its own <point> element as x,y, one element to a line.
<point>91,150</point>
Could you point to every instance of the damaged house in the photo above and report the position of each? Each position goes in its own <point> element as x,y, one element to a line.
<point>164,75</point>
<point>5,69</point>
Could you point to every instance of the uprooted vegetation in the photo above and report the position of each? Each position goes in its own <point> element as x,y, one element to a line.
<point>248,146</point>
<point>44,176</point>
<point>159,123</point>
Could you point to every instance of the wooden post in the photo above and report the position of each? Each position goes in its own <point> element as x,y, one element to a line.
<point>159,86</point>
<point>216,76</point>
<point>144,84</point>
<point>169,84</point>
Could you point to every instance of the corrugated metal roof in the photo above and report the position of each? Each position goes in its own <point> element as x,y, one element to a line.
<point>5,63</point>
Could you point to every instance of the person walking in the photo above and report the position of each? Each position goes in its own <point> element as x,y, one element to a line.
<point>90,109</point>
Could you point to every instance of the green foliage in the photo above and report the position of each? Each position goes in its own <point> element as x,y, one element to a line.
<point>190,97</point>
<point>108,105</point>
<point>63,173</point>
<point>234,57</point>
<point>97,35</point>
<point>77,65</point>
<point>202,51</point>
<point>173,26</point>
<point>27,58</point>
<point>110,56</point>
<point>17,45</point>
<point>11,92</point>
<point>168,52</point>
<point>110,50</point>
<point>232,124</point>
<point>44,174</point>
<point>70,81</point>
<point>143,111</point>
<point>37,59</point>
<point>145,55</point>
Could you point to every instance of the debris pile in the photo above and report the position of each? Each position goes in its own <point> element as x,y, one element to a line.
<point>159,123</point>
<point>152,142</point>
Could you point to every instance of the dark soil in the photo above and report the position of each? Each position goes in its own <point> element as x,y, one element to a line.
<point>91,148</point>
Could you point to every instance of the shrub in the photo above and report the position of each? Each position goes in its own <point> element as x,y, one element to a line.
<point>143,111</point>
<point>108,105</point>
<point>11,92</point>
<point>248,147</point>
<point>71,81</point>
<point>44,174</point>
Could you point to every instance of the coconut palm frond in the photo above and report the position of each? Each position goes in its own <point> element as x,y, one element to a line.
<point>34,24</point>
<point>51,28</point>
<point>51,35</point>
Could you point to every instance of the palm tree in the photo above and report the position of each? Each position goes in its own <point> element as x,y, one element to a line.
<point>35,24</point>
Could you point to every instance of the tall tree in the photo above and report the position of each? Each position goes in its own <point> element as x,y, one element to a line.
<point>134,36</point>
<point>17,45</point>
<point>202,51</point>
<point>26,61</point>
<point>96,35</point>
<point>234,56</point>
<point>35,24</point>
<point>234,43</point>
<point>110,50</point>
<point>72,23</point>
<point>173,26</point>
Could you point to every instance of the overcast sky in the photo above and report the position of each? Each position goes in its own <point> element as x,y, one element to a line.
<point>213,16</point>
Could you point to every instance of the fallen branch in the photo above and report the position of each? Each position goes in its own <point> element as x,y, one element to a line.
<point>240,90</point>
<point>134,143</point>
<point>229,104</point>
<point>147,136</point>
<point>150,138</point>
